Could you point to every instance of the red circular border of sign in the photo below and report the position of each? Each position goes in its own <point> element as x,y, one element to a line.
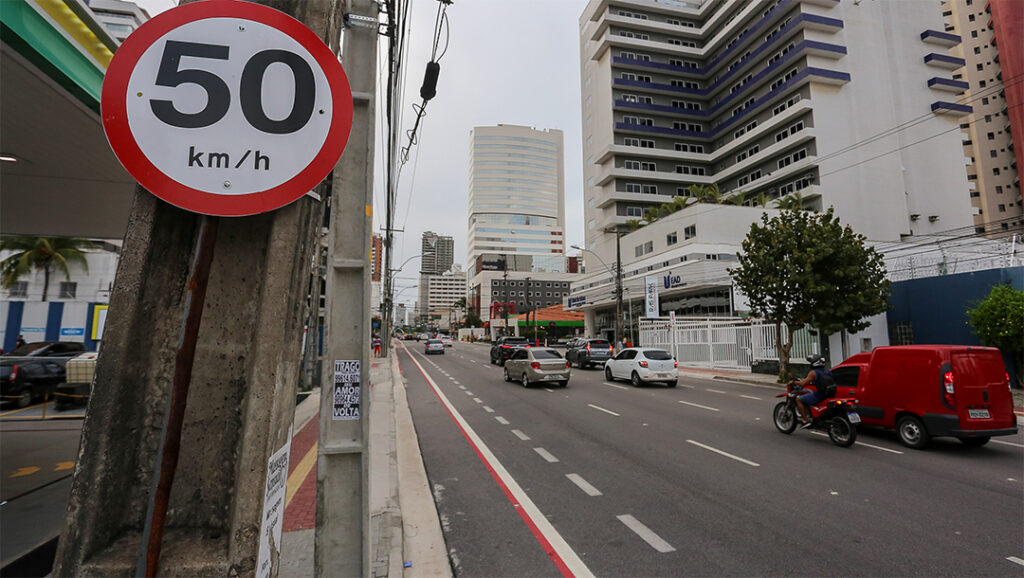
<point>113,106</point>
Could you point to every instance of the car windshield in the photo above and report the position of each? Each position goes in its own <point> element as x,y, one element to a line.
<point>433,341</point>
<point>546,354</point>
<point>657,354</point>
<point>515,340</point>
<point>28,348</point>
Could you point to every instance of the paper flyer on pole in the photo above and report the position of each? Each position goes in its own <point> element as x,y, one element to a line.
<point>272,520</point>
<point>347,385</point>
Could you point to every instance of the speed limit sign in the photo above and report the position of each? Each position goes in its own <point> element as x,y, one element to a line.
<point>226,107</point>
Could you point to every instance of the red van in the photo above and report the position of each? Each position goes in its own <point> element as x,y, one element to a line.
<point>923,391</point>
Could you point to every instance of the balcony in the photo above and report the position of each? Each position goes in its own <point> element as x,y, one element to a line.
<point>940,38</point>
<point>649,153</point>
<point>943,61</point>
<point>948,85</point>
<point>951,108</point>
<point>609,173</point>
<point>609,198</point>
<point>750,163</point>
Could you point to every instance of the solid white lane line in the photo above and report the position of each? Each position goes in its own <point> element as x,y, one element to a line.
<point>604,410</point>
<point>583,485</point>
<point>501,420</point>
<point>646,534</point>
<point>818,433</point>
<point>720,452</point>
<point>477,399</point>
<point>615,385</point>
<point>546,455</point>
<point>488,409</point>
<point>520,435</point>
<point>1015,560</point>
<point>698,405</point>
<point>751,397</point>
<point>553,542</point>
<point>1007,443</point>
<point>715,390</point>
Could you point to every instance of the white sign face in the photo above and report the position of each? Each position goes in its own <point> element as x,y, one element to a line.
<point>651,308</point>
<point>186,122</point>
<point>272,520</point>
<point>347,400</point>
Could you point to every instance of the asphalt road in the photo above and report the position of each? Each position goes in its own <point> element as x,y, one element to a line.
<point>37,459</point>
<point>613,480</point>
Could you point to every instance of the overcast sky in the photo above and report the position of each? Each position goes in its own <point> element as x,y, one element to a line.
<point>508,61</point>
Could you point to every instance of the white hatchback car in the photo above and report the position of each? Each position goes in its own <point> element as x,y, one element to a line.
<point>643,365</point>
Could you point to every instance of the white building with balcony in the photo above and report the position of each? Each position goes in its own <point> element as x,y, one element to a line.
<point>847,104</point>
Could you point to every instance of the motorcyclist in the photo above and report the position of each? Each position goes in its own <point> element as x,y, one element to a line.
<point>817,378</point>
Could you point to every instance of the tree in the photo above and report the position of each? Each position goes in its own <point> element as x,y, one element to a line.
<point>803,268</point>
<point>998,321</point>
<point>762,199</point>
<point>473,320</point>
<point>41,253</point>
<point>791,202</point>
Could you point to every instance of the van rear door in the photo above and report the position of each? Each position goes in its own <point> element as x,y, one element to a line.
<point>981,394</point>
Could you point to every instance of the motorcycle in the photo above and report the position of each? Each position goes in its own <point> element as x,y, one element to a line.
<point>835,416</point>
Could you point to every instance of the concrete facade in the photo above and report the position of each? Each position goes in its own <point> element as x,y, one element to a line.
<point>771,98</point>
<point>438,253</point>
<point>987,137</point>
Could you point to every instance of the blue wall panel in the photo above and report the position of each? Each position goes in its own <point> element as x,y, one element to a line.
<point>15,310</point>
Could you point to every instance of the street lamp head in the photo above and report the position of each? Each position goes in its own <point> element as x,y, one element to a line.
<point>577,247</point>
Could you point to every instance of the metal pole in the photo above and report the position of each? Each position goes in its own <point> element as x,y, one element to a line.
<point>618,289</point>
<point>174,414</point>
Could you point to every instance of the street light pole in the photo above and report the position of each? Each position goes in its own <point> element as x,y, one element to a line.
<point>389,298</point>
<point>618,282</point>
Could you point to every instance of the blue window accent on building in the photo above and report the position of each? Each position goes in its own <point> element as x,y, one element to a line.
<point>810,71</point>
<point>53,319</point>
<point>89,342</point>
<point>951,106</point>
<point>937,81</point>
<point>941,36</point>
<point>944,59</point>
<point>15,312</point>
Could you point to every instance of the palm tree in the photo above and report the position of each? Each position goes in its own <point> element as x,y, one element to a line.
<point>707,193</point>
<point>46,253</point>
<point>633,224</point>
<point>762,199</point>
<point>735,199</point>
<point>791,202</point>
<point>681,202</point>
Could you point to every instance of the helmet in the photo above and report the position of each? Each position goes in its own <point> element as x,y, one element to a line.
<point>816,360</point>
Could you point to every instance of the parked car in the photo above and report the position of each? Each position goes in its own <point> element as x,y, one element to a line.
<point>63,350</point>
<point>447,341</point>
<point>505,346</point>
<point>643,365</point>
<point>434,346</point>
<point>537,364</point>
<point>24,381</point>
<point>584,352</point>
<point>925,391</point>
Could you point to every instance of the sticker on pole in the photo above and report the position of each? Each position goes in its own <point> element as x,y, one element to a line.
<point>226,107</point>
<point>347,385</point>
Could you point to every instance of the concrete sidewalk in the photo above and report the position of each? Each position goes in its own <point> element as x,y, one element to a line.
<point>405,532</point>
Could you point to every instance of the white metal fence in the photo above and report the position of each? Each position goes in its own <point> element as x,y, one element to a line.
<point>716,342</point>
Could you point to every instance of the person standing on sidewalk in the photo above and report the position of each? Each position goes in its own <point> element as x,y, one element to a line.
<point>376,346</point>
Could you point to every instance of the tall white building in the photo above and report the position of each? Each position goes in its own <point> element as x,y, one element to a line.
<point>437,293</point>
<point>848,104</point>
<point>119,17</point>
<point>516,226</point>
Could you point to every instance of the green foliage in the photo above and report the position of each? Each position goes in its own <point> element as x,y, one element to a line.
<point>706,193</point>
<point>633,224</point>
<point>762,199</point>
<point>473,320</point>
<point>41,253</point>
<point>998,321</point>
<point>791,202</point>
<point>805,268</point>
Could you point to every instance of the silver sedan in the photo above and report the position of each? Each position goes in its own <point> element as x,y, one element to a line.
<point>530,365</point>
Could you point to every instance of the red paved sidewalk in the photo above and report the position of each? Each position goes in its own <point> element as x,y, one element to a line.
<point>300,514</point>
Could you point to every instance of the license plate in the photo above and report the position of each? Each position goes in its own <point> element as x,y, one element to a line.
<point>551,378</point>
<point>977,413</point>
<point>854,417</point>
<point>662,375</point>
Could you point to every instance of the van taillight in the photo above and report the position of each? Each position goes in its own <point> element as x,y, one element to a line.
<point>948,390</point>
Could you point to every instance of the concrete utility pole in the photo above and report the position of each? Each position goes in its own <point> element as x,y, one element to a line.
<point>618,289</point>
<point>342,504</point>
<point>241,402</point>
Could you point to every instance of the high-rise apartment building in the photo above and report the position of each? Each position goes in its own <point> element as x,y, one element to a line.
<point>846,104</point>
<point>987,133</point>
<point>119,17</point>
<point>438,253</point>
<point>516,229</point>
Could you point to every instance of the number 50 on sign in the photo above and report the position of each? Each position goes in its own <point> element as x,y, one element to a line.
<point>226,108</point>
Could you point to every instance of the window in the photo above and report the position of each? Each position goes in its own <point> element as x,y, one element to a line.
<point>988,118</point>
<point>974,33</point>
<point>640,120</point>
<point>992,154</point>
<point>648,247</point>
<point>999,189</point>
<point>995,171</point>
<point>981,67</point>
<point>19,289</point>
<point>632,187</point>
<point>650,189</point>
<point>984,100</point>
<point>690,232</point>
<point>977,50</point>
<point>671,239</point>
<point>970,17</point>
<point>990,136</point>
<point>638,251</point>
<point>634,211</point>
<point>1002,208</point>
<point>68,289</point>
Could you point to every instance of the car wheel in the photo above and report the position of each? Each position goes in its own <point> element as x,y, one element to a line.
<point>501,362</point>
<point>565,383</point>
<point>635,379</point>
<point>581,364</point>
<point>912,432</point>
<point>505,375</point>
<point>526,380</point>
<point>976,442</point>
<point>492,361</point>
<point>25,400</point>
<point>671,383</point>
<point>608,374</point>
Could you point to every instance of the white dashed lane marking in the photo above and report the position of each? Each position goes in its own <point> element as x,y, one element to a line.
<point>751,397</point>
<point>715,390</point>
<point>546,455</point>
<point>818,433</point>
<point>1015,560</point>
<point>608,411</point>
<point>488,409</point>
<point>615,385</point>
<point>721,453</point>
<point>520,435</point>
<point>646,534</point>
<point>583,485</point>
<point>698,405</point>
<point>501,420</point>
<point>477,399</point>
<point>1007,444</point>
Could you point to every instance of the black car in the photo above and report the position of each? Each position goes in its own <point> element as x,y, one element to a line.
<point>48,349</point>
<point>22,381</point>
<point>584,352</point>
<point>504,346</point>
